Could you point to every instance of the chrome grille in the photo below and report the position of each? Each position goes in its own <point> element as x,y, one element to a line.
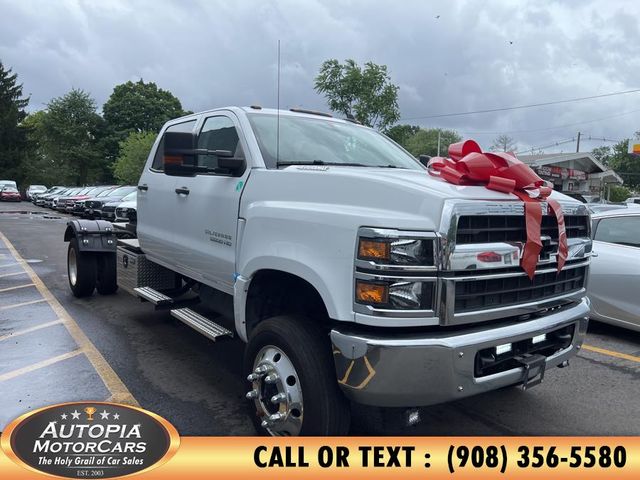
<point>481,294</point>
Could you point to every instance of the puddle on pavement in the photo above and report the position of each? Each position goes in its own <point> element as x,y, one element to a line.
<point>28,212</point>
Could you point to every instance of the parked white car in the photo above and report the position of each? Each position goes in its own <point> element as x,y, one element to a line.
<point>127,210</point>
<point>35,190</point>
<point>633,200</point>
<point>615,268</point>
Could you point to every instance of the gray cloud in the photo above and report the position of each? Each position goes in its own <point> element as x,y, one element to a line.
<point>477,55</point>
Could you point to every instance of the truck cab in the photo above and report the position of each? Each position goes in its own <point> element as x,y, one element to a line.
<point>353,275</point>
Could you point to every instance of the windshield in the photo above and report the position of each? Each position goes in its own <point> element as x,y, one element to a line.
<point>305,140</point>
<point>131,197</point>
<point>122,191</point>
<point>106,192</point>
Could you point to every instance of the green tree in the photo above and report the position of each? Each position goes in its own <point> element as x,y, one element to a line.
<point>503,143</point>
<point>401,133</point>
<point>425,141</point>
<point>13,135</point>
<point>602,154</point>
<point>39,167</point>
<point>137,107</point>
<point>71,131</point>
<point>618,193</point>
<point>625,164</point>
<point>133,155</point>
<point>366,93</point>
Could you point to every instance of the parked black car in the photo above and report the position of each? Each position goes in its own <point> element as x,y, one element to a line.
<point>94,207</point>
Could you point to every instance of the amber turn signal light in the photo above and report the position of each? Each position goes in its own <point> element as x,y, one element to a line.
<point>374,249</point>
<point>371,292</point>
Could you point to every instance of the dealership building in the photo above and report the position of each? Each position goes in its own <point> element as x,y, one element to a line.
<point>574,172</point>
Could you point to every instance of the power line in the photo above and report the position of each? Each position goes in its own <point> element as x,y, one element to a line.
<point>542,147</point>
<point>532,105</point>
<point>557,127</point>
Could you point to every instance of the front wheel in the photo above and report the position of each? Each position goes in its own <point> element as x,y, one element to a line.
<point>293,381</point>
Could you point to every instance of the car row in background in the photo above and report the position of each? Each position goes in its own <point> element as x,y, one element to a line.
<point>94,202</point>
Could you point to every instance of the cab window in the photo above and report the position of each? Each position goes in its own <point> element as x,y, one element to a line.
<point>158,164</point>
<point>620,230</point>
<point>218,133</point>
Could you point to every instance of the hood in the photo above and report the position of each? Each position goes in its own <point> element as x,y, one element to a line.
<point>380,196</point>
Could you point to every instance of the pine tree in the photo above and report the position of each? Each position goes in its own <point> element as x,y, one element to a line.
<point>13,136</point>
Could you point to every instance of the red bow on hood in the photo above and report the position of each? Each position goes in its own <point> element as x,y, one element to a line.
<point>469,165</point>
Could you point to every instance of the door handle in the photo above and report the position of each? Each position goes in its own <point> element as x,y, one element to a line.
<point>182,191</point>
<point>143,187</point>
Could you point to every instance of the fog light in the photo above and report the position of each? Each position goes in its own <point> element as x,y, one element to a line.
<point>500,349</point>
<point>539,338</point>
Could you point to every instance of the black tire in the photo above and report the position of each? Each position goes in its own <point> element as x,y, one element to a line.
<point>107,280</point>
<point>81,270</point>
<point>326,410</point>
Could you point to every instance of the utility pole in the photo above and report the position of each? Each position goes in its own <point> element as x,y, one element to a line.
<point>578,143</point>
<point>438,142</point>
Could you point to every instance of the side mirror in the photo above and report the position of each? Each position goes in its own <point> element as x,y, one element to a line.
<point>180,157</point>
<point>424,159</point>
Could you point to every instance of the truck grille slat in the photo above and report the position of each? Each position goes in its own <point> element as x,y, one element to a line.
<point>500,292</point>
<point>511,228</point>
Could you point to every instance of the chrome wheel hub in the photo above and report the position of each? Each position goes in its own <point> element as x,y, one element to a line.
<point>73,266</point>
<point>276,392</point>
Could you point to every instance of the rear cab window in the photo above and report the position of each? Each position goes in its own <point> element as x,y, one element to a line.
<point>619,230</point>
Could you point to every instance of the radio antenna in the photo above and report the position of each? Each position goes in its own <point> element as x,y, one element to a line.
<point>278,111</point>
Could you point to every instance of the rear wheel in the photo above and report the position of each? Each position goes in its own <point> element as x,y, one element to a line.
<point>81,270</point>
<point>293,381</point>
<point>107,282</point>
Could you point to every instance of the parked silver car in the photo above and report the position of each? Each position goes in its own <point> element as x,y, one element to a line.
<point>615,268</point>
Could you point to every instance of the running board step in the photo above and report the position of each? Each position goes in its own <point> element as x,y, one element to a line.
<point>153,296</point>
<point>201,324</point>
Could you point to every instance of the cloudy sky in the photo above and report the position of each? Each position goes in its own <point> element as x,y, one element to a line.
<point>446,56</point>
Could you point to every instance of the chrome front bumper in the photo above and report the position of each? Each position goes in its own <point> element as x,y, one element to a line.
<point>426,369</point>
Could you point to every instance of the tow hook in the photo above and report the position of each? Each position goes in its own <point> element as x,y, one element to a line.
<point>534,367</point>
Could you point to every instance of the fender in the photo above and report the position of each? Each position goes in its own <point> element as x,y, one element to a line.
<point>93,235</point>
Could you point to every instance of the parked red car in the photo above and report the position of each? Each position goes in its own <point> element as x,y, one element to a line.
<point>10,194</point>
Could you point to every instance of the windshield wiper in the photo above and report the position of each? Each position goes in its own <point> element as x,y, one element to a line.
<point>321,162</point>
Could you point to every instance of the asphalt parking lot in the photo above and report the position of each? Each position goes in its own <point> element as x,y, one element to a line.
<point>56,348</point>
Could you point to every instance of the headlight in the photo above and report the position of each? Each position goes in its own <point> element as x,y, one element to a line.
<point>393,248</point>
<point>395,295</point>
<point>395,272</point>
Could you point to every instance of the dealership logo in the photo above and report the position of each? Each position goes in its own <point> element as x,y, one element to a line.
<point>95,439</point>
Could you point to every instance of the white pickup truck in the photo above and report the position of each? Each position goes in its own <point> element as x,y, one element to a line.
<point>352,275</point>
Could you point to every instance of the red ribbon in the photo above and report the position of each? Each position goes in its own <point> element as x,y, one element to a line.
<point>503,172</point>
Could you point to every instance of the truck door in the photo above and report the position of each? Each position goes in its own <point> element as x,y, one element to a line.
<point>156,192</point>
<point>205,212</point>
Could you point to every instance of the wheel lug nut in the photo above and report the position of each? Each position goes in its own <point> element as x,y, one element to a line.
<point>252,394</point>
<point>272,378</point>
<point>276,417</point>
<point>265,423</point>
<point>252,377</point>
<point>279,397</point>
<point>262,369</point>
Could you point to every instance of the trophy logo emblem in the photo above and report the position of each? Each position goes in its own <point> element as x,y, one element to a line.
<point>90,411</point>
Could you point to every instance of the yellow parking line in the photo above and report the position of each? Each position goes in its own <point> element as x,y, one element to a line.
<point>611,353</point>
<point>36,366</point>
<point>16,288</point>
<point>29,330</point>
<point>102,367</point>
<point>23,304</point>
<point>12,274</point>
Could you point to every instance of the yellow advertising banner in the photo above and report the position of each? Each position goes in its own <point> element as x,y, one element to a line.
<point>382,457</point>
